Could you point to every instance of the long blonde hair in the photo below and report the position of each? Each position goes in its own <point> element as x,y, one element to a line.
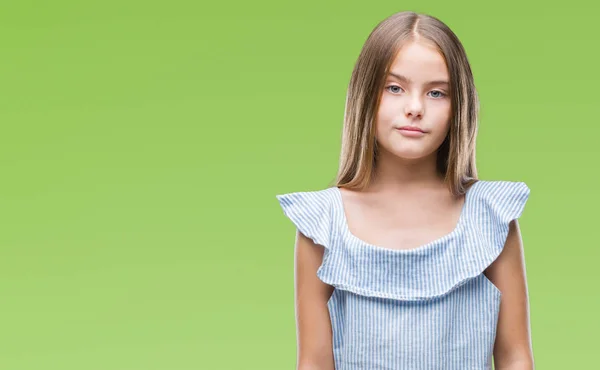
<point>456,155</point>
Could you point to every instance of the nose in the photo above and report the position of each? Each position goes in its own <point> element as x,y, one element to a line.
<point>414,108</point>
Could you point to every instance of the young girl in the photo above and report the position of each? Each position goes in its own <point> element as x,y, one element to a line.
<point>410,261</point>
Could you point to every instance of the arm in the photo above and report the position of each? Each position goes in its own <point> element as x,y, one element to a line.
<point>313,325</point>
<point>513,348</point>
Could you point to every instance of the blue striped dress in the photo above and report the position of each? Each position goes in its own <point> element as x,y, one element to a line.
<point>425,308</point>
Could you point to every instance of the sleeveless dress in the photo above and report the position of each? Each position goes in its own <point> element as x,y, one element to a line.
<point>425,308</point>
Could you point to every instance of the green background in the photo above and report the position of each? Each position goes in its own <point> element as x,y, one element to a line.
<point>143,144</point>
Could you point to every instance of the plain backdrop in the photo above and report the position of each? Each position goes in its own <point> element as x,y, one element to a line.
<point>143,144</point>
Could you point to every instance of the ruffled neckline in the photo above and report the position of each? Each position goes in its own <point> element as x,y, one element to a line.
<point>426,272</point>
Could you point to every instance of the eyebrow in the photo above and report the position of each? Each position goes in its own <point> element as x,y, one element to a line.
<point>408,80</point>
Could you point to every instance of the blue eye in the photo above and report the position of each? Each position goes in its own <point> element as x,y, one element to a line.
<point>441,93</point>
<point>387,87</point>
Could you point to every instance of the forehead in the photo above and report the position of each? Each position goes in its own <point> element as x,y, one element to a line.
<point>420,62</point>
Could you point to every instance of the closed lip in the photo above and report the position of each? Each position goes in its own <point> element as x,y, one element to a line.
<point>410,128</point>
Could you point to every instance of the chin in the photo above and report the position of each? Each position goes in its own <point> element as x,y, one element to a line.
<point>416,152</point>
<point>411,155</point>
<point>406,154</point>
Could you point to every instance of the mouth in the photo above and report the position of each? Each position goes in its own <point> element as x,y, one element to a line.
<point>410,128</point>
<point>410,132</point>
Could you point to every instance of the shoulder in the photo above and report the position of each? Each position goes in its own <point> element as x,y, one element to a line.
<point>314,203</point>
<point>311,212</point>
<point>494,206</point>
<point>505,199</point>
<point>314,198</point>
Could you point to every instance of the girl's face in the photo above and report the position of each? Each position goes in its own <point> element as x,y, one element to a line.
<point>415,95</point>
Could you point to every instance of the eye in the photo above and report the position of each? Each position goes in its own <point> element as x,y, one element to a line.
<point>388,88</point>
<point>441,94</point>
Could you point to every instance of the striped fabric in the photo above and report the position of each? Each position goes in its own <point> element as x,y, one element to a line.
<point>425,308</point>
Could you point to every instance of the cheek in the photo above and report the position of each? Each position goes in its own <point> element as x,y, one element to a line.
<point>387,113</point>
<point>442,119</point>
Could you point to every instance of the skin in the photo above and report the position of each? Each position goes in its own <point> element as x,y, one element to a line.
<point>313,325</point>
<point>406,174</point>
<point>513,348</point>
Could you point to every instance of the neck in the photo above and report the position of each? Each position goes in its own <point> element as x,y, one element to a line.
<point>395,174</point>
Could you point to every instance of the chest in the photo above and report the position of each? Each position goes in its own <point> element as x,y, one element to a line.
<point>406,226</point>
